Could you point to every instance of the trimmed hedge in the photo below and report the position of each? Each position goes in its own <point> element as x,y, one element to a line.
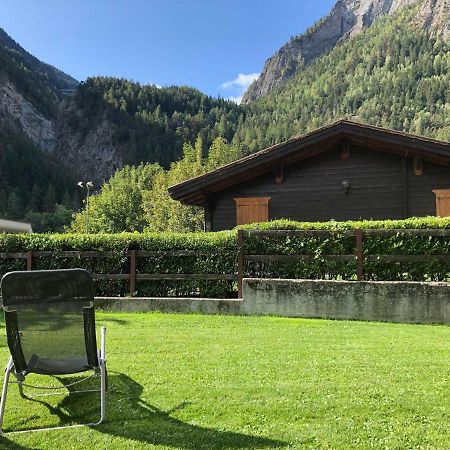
<point>337,244</point>
<point>218,255</point>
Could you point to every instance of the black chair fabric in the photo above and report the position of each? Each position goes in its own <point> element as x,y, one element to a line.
<point>50,321</point>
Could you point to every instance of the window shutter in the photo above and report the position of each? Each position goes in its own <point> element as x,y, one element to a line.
<point>442,202</point>
<point>251,210</point>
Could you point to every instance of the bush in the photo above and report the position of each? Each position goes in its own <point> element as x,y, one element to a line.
<point>217,254</point>
<point>338,244</point>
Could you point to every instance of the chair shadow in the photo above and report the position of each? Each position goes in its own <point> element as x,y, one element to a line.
<point>128,416</point>
<point>10,445</point>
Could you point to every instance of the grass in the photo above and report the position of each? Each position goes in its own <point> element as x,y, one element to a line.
<point>216,382</point>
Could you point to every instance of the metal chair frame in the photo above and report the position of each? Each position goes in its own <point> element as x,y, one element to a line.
<point>102,370</point>
<point>97,364</point>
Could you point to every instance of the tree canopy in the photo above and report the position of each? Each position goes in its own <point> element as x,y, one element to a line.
<point>136,198</point>
<point>392,75</point>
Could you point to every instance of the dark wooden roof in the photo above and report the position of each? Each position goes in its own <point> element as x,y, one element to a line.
<point>196,190</point>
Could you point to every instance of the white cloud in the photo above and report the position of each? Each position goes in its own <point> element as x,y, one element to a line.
<point>235,99</point>
<point>237,87</point>
<point>242,81</point>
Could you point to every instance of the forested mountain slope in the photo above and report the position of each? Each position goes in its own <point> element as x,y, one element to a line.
<point>346,19</point>
<point>111,122</point>
<point>394,74</point>
<point>34,186</point>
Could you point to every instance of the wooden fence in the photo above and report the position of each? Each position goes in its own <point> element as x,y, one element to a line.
<point>133,276</point>
<point>359,256</point>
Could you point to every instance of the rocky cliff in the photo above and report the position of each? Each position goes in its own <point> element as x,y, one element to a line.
<point>34,104</point>
<point>19,115</point>
<point>346,19</point>
<point>92,155</point>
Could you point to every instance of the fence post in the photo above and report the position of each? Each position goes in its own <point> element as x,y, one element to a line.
<point>359,255</point>
<point>132,272</point>
<point>240,267</point>
<point>29,260</point>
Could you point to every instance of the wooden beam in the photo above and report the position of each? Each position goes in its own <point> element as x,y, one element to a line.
<point>132,272</point>
<point>405,202</point>
<point>418,164</point>
<point>345,150</point>
<point>279,173</point>
<point>299,258</point>
<point>29,260</point>
<point>210,208</point>
<point>240,261</point>
<point>359,255</point>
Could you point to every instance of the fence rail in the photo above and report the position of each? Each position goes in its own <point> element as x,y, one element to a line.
<point>359,255</point>
<point>133,276</point>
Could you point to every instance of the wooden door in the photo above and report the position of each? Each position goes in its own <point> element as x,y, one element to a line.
<point>251,210</point>
<point>442,202</point>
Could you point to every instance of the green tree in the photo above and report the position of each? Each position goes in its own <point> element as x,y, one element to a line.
<point>165,214</point>
<point>221,153</point>
<point>35,198</point>
<point>118,206</point>
<point>49,201</point>
<point>14,207</point>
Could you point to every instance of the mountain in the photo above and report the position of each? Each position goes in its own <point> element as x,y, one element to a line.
<point>34,184</point>
<point>55,79</point>
<point>346,20</point>
<point>97,126</point>
<point>111,122</point>
<point>393,74</point>
<point>30,93</point>
<point>382,62</point>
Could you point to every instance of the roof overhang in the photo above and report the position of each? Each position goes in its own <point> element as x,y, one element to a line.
<point>196,190</point>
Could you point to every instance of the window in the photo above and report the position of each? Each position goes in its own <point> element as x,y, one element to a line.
<point>442,202</point>
<point>251,210</point>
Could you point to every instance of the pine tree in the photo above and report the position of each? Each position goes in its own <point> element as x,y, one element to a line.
<point>49,201</point>
<point>14,207</point>
<point>35,198</point>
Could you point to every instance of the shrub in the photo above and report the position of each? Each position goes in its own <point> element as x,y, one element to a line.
<point>339,244</point>
<point>217,254</point>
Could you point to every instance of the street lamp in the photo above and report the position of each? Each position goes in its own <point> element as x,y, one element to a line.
<point>88,186</point>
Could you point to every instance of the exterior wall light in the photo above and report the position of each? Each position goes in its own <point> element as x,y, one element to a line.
<point>346,186</point>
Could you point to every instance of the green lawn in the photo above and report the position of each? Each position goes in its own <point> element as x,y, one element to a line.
<point>216,382</point>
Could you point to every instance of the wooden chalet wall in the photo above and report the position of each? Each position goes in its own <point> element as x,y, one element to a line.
<point>382,186</point>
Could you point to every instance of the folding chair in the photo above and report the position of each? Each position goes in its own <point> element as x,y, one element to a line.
<point>50,329</point>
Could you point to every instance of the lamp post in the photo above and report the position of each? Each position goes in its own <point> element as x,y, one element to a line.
<point>88,185</point>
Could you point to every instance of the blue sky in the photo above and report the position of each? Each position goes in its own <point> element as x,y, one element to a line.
<point>217,46</point>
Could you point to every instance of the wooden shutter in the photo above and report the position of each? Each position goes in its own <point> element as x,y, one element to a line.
<point>442,202</point>
<point>251,210</point>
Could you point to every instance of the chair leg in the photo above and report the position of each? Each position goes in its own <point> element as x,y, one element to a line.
<point>102,392</point>
<point>21,392</point>
<point>103,375</point>
<point>8,369</point>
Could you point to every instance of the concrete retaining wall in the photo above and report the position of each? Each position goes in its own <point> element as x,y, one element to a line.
<point>179,305</point>
<point>408,302</point>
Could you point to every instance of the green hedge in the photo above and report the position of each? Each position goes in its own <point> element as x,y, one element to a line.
<point>335,244</point>
<point>218,254</point>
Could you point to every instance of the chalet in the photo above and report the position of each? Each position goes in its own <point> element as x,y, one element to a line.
<point>344,171</point>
